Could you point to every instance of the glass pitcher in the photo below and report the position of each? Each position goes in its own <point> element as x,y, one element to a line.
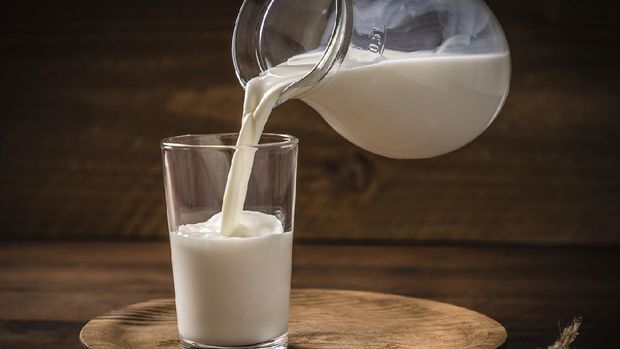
<point>399,78</point>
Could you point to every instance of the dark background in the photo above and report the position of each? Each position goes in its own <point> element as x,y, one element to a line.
<point>90,87</point>
<point>522,225</point>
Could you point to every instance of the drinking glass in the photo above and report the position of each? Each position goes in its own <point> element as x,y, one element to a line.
<point>230,292</point>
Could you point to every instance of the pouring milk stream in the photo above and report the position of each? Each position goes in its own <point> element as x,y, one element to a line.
<point>416,88</point>
<point>434,88</point>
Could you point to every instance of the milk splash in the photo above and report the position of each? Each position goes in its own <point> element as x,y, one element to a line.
<point>262,94</point>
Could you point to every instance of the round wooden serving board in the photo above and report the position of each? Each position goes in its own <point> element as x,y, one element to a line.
<point>319,319</point>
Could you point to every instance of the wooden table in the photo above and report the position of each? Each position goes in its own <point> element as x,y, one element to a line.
<point>49,290</point>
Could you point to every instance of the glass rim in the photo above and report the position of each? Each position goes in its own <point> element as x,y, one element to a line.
<point>176,142</point>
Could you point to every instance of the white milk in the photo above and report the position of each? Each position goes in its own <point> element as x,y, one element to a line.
<point>261,95</point>
<point>232,291</point>
<point>232,273</point>
<point>414,105</point>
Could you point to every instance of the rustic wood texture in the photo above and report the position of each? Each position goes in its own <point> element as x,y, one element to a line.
<point>48,291</point>
<point>318,319</point>
<point>89,88</point>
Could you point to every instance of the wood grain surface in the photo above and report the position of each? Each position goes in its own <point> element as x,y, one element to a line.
<point>89,88</point>
<point>318,319</point>
<point>48,291</point>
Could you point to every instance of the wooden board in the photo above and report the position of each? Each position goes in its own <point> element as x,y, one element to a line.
<point>319,319</point>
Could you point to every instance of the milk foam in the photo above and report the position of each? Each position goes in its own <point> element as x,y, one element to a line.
<point>251,224</point>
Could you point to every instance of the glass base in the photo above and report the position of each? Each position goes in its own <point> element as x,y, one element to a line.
<point>277,343</point>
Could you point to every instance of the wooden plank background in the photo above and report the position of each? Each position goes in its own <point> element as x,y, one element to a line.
<point>88,88</point>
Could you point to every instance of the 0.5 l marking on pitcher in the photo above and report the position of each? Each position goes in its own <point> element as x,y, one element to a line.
<point>377,40</point>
